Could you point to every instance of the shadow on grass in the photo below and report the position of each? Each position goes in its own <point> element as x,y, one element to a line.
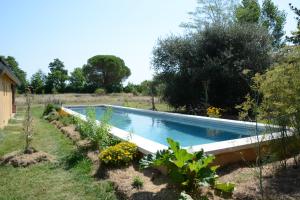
<point>76,161</point>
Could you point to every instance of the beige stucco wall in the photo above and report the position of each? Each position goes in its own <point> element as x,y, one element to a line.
<point>5,100</point>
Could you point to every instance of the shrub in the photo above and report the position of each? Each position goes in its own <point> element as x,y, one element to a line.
<point>190,170</point>
<point>66,120</point>
<point>52,116</point>
<point>137,182</point>
<point>214,112</point>
<point>278,93</point>
<point>97,133</point>
<point>135,92</point>
<point>99,91</point>
<point>119,154</point>
<point>50,108</point>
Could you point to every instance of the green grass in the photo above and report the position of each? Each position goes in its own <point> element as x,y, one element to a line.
<point>148,105</point>
<point>68,178</point>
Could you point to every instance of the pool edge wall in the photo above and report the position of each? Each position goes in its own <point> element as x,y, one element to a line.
<point>224,159</point>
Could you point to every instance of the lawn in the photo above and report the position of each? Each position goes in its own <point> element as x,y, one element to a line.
<point>59,180</point>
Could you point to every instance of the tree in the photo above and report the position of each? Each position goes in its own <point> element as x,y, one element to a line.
<point>273,19</point>
<point>77,80</point>
<point>295,38</point>
<point>106,71</point>
<point>211,12</point>
<point>28,125</point>
<point>280,104</point>
<point>38,81</point>
<point>248,12</point>
<point>56,79</point>
<point>132,88</point>
<point>206,67</point>
<point>268,15</point>
<point>20,74</point>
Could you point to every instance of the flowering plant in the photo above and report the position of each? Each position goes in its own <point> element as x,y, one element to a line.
<point>121,153</point>
<point>214,112</point>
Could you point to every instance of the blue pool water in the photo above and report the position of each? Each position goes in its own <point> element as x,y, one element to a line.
<point>158,127</point>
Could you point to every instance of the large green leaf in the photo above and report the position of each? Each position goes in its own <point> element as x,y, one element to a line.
<point>182,157</point>
<point>195,166</point>
<point>174,146</point>
<point>158,159</point>
<point>208,160</point>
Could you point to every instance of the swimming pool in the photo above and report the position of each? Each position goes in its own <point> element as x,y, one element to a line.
<point>158,126</point>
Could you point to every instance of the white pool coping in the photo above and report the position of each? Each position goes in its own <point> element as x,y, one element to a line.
<point>147,146</point>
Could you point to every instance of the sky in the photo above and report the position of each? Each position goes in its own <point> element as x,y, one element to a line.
<point>36,32</point>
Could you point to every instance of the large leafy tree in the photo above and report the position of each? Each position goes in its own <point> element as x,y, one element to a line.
<point>268,15</point>
<point>280,87</point>
<point>106,71</point>
<point>56,79</point>
<point>207,67</point>
<point>274,20</point>
<point>38,81</point>
<point>295,38</point>
<point>77,80</point>
<point>20,74</point>
<point>248,12</point>
<point>279,90</point>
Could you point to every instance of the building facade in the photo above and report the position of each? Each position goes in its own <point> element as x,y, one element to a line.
<point>8,83</point>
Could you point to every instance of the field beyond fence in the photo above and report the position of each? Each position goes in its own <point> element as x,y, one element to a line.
<point>120,99</point>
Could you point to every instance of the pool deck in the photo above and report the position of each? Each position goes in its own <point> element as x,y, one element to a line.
<point>227,151</point>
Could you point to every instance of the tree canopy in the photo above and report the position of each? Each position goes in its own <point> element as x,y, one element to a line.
<point>211,11</point>
<point>77,80</point>
<point>207,67</point>
<point>295,38</point>
<point>20,74</point>
<point>248,12</point>
<point>106,71</point>
<point>38,81</point>
<point>268,15</point>
<point>56,79</point>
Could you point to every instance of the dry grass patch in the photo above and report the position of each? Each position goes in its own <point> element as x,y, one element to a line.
<point>121,99</point>
<point>278,183</point>
<point>20,159</point>
<point>155,185</point>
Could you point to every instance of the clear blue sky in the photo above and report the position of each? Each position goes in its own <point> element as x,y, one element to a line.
<point>35,32</point>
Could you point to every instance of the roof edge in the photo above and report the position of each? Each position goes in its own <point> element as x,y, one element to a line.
<point>6,70</point>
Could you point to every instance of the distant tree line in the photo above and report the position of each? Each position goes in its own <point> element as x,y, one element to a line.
<point>20,74</point>
<point>102,71</point>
